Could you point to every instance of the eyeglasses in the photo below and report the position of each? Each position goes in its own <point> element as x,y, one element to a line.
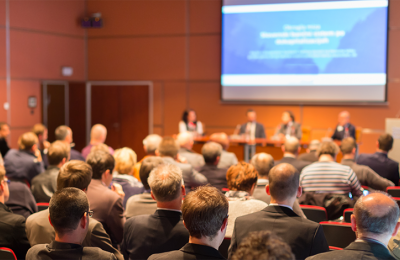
<point>89,213</point>
<point>7,181</point>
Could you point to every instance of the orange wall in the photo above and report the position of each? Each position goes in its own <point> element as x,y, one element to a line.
<point>44,36</point>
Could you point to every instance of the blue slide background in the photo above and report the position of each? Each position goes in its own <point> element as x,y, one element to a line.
<point>366,32</point>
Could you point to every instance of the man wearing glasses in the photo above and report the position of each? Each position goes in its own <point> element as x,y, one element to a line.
<point>69,215</point>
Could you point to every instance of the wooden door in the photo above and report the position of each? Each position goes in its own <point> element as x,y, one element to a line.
<point>77,114</point>
<point>54,104</point>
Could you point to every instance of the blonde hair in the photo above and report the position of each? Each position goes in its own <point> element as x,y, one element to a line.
<point>125,160</point>
<point>27,140</point>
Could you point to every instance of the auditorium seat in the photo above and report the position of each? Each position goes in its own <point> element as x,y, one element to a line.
<point>393,191</point>
<point>7,254</point>
<point>223,248</point>
<point>334,248</point>
<point>338,234</point>
<point>42,206</point>
<point>315,213</point>
<point>347,215</point>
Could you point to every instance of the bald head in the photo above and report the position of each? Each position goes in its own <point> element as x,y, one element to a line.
<point>185,140</point>
<point>151,143</point>
<point>283,182</point>
<point>263,163</point>
<point>344,118</point>
<point>98,133</point>
<point>376,213</point>
<point>314,145</point>
<point>292,145</point>
<point>220,138</point>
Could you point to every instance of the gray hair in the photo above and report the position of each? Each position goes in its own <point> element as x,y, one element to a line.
<point>165,182</point>
<point>62,132</point>
<point>314,145</point>
<point>211,151</point>
<point>263,163</point>
<point>151,143</point>
<point>292,145</point>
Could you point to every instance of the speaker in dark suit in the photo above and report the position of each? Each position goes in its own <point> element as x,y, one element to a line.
<point>344,128</point>
<point>252,128</point>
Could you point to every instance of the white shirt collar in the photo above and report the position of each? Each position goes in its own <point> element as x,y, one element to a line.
<point>281,205</point>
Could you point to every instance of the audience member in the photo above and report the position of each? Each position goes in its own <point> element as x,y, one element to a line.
<point>98,135</point>
<point>374,221</point>
<point>150,145</point>
<point>263,245</point>
<point>1,161</point>
<point>186,142</point>
<point>21,200</point>
<point>24,164</point>
<point>328,176</point>
<point>365,175</point>
<point>12,226</point>
<point>69,215</point>
<point>252,128</point>
<point>162,231</point>
<point>290,150</point>
<point>168,150</point>
<point>216,177</point>
<point>227,158</point>
<point>190,124</point>
<point>205,215</point>
<point>144,204</point>
<point>379,161</point>
<point>41,132</point>
<point>304,236</point>
<point>125,159</point>
<point>100,147</point>
<point>45,184</point>
<point>64,134</point>
<point>105,203</point>
<point>263,164</point>
<point>311,155</point>
<point>288,128</point>
<point>344,128</point>
<point>242,179</point>
<point>4,133</point>
<point>76,174</point>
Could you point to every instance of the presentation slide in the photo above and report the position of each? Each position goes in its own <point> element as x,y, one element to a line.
<point>317,51</point>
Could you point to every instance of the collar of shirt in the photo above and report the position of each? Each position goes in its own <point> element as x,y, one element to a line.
<point>262,181</point>
<point>280,205</point>
<point>290,156</point>
<point>366,240</point>
<point>170,209</point>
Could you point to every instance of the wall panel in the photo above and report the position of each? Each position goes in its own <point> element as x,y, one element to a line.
<point>205,16</point>
<point>202,57</point>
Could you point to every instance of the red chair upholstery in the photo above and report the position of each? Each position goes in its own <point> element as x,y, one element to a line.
<point>347,215</point>
<point>393,191</point>
<point>334,248</point>
<point>315,213</point>
<point>7,254</point>
<point>223,248</point>
<point>42,206</point>
<point>338,234</point>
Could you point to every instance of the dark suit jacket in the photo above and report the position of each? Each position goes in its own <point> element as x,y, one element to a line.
<point>59,251</point>
<point>308,157</point>
<point>215,176</point>
<point>338,135</point>
<point>193,158</point>
<point>22,165</point>
<point>160,232</point>
<point>190,252</point>
<point>260,131</point>
<point>357,250</point>
<point>298,164</point>
<point>305,237</point>
<point>45,184</point>
<point>107,208</point>
<point>75,155</point>
<point>140,204</point>
<point>295,130</point>
<point>3,147</point>
<point>21,200</point>
<point>12,232</point>
<point>382,165</point>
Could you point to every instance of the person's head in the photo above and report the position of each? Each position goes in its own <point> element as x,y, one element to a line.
<point>221,138</point>
<point>185,140</point>
<point>168,147</point>
<point>4,130</point>
<point>151,143</point>
<point>4,191</point>
<point>98,134</point>
<point>385,142</point>
<point>211,152</point>
<point>242,177</point>
<point>375,215</point>
<point>75,174</point>
<point>251,115</point>
<point>189,116</point>
<point>344,118</point>
<point>64,133</point>
<point>100,147</point>
<point>166,183</point>
<point>146,167</point>
<point>287,117</point>
<point>263,245</point>
<point>348,146</point>
<point>102,164</point>
<point>125,160</point>
<point>69,213</point>
<point>283,183</point>
<point>28,142</point>
<point>314,145</point>
<point>58,153</point>
<point>205,214</point>
<point>292,145</point>
<point>328,148</point>
<point>40,131</point>
<point>263,163</point>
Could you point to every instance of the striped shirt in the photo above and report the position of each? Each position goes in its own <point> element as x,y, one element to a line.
<point>330,177</point>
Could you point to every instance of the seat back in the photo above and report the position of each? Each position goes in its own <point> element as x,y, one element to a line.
<point>7,254</point>
<point>338,234</point>
<point>393,191</point>
<point>42,206</point>
<point>347,215</point>
<point>223,248</point>
<point>315,213</point>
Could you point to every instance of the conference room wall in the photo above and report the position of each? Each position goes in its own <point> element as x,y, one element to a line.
<point>43,37</point>
<point>176,44</point>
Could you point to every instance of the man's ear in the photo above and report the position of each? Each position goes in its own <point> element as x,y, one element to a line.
<point>64,160</point>
<point>183,189</point>
<point>396,229</point>
<point>299,192</point>
<point>34,147</point>
<point>50,221</point>
<point>299,149</point>
<point>184,224</point>
<point>283,148</point>
<point>267,189</point>
<point>377,144</point>
<point>353,223</point>
<point>152,195</point>
<point>157,153</point>
<point>84,221</point>
<point>354,150</point>
<point>224,224</point>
